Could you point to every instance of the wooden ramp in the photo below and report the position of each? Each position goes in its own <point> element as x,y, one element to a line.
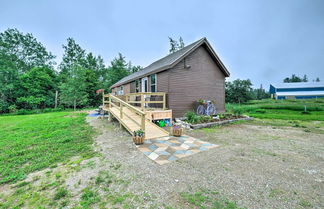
<point>132,118</point>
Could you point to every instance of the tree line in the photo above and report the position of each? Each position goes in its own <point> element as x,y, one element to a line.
<point>295,79</point>
<point>240,91</point>
<point>29,80</point>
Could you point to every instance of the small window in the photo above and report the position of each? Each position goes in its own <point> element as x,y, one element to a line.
<point>121,92</point>
<point>153,83</point>
<point>137,86</point>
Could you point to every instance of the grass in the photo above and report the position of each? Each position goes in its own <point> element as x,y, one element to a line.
<point>282,109</point>
<point>89,197</point>
<point>61,193</point>
<point>33,142</point>
<point>208,199</point>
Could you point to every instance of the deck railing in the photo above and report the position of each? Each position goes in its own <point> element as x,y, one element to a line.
<point>120,104</point>
<point>143,99</point>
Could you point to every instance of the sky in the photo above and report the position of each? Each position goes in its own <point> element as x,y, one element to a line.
<point>264,41</point>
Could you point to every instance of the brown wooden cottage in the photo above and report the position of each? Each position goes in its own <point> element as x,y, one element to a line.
<point>187,75</point>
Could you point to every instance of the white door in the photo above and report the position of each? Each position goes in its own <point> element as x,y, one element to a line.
<point>145,89</point>
<point>145,84</point>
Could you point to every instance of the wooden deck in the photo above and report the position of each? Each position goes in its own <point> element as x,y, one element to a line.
<point>132,118</point>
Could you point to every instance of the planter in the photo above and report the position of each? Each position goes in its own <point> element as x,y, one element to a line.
<point>176,132</point>
<point>207,125</point>
<point>138,140</point>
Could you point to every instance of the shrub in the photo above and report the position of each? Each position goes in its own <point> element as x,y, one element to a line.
<point>193,117</point>
<point>12,108</point>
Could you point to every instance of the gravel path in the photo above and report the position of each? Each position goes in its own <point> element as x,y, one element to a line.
<point>255,166</point>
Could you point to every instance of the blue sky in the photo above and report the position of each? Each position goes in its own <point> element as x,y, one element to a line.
<point>265,41</point>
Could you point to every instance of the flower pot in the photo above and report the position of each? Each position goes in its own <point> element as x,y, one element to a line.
<point>176,132</point>
<point>138,140</point>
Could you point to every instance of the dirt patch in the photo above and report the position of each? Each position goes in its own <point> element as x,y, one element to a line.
<point>256,166</point>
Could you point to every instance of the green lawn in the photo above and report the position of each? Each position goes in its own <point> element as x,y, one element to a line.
<point>32,142</point>
<point>282,109</point>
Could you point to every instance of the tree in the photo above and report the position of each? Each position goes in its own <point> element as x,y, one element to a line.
<point>37,88</point>
<point>295,79</point>
<point>181,43</point>
<point>260,93</point>
<point>117,70</point>
<point>8,82</point>
<point>19,53</point>
<point>93,71</point>
<point>133,69</point>
<point>73,56</point>
<point>74,89</point>
<point>175,45</point>
<point>305,79</point>
<point>317,79</point>
<point>25,51</point>
<point>238,91</point>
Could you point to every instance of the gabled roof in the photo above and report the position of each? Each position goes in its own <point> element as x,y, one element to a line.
<point>170,60</point>
<point>298,85</point>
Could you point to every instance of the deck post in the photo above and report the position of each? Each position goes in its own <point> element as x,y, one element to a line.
<point>110,101</point>
<point>143,122</point>
<point>121,110</point>
<point>103,99</point>
<point>164,101</point>
<point>142,101</point>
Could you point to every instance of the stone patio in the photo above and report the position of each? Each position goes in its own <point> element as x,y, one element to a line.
<point>167,149</point>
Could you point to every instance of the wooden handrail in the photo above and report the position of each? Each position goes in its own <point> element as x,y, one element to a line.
<point>127,105</point>
<point>147,93</point>
<point>132,108</point>
<point>143,102</point>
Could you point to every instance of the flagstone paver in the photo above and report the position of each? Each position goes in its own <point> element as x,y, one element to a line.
<point>168,149</point>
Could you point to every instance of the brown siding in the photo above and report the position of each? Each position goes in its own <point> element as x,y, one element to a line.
<point>132,87</point>
<point>163,84</point>
<point>184,86</point>
<point>113,90</point>
<point>203,80</point>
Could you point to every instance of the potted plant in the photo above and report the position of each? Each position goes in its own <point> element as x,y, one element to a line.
<point>138,137</point>
<point>176,130</point>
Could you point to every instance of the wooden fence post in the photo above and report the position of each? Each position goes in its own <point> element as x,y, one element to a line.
<point>142,101</point>
<point>143,122</point>
<point>121,110</point>
<point>164,101</point>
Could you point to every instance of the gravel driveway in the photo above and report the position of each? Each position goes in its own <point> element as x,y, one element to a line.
<point>255,166</point>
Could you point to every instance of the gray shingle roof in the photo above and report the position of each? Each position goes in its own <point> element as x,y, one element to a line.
<point>167,62</point>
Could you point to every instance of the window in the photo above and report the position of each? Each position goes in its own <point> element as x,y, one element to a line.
<point>153,83</point>
<point>137,86</point>
<point>121,92</point>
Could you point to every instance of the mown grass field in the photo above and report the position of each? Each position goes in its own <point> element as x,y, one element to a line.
<point>282,109</point>
<point>32,142</point>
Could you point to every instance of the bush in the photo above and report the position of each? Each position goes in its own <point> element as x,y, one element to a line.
<point>193,117</point>
<point>12,108</point>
